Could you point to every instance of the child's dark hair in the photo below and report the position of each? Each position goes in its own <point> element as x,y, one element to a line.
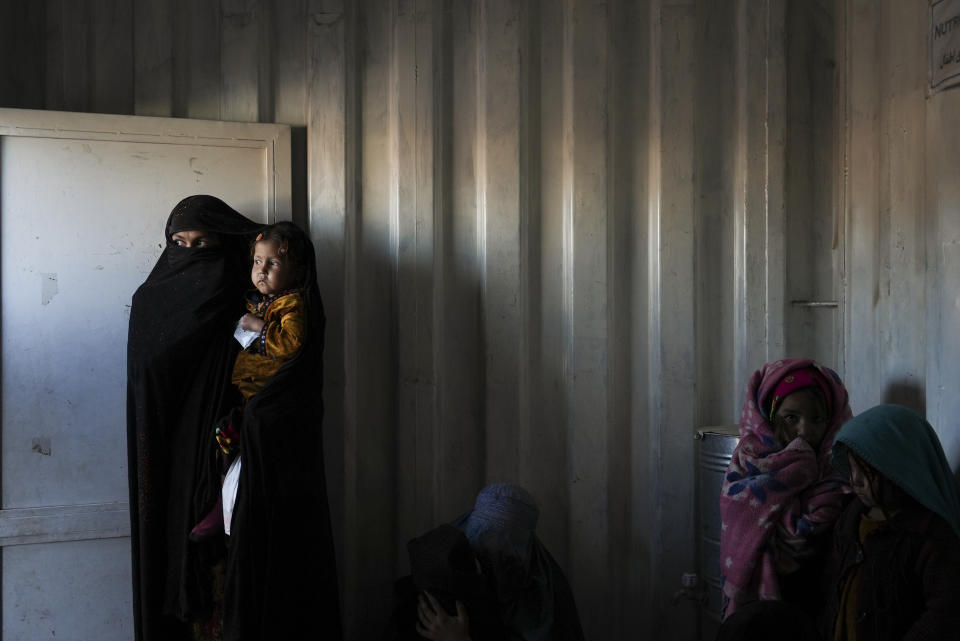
<point>889,496</point>
<point>293,243</point>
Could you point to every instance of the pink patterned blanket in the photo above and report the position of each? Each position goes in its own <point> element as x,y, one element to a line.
<point>774,497</point>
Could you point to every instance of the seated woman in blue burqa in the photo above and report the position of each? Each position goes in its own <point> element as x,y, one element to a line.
<point>486,576</point>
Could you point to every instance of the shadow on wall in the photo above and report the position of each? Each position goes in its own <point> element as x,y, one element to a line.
<point>909,394</point>
<point>298,176</point>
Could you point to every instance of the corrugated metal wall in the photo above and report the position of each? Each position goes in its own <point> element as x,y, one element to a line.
<point>556,237</point>
<point>902,196</point>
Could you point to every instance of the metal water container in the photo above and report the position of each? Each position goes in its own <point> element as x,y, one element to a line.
<point>716,445</point>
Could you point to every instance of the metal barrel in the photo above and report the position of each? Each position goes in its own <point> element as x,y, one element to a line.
<point>716,445</point>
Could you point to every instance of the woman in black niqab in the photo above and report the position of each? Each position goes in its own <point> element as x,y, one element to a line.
<point>279,577</point>
<point>180,353</point>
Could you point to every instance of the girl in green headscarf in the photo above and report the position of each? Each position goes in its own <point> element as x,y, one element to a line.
<point>896,556</point>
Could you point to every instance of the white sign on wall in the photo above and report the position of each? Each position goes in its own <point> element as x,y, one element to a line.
<point>944,44</point>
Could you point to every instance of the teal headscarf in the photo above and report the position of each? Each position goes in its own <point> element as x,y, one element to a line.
<point>901,445</point>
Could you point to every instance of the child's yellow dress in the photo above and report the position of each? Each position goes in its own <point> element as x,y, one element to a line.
<point>284,324</point>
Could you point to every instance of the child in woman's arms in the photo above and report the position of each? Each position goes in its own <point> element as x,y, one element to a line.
<point>277,314</point>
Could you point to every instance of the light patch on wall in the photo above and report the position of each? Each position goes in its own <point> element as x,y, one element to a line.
<point>48,288</point>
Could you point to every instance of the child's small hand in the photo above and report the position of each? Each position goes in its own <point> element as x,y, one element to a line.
<point>251,323</point>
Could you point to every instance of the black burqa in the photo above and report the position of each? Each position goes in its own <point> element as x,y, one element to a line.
<point>180,354</point>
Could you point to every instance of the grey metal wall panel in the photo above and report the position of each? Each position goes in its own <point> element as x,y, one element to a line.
<point>900,200</point>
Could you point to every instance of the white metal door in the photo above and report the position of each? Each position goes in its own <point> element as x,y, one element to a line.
<point>83,201</point>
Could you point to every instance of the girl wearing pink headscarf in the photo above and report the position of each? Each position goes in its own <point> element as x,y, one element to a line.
<point>780,494</point>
